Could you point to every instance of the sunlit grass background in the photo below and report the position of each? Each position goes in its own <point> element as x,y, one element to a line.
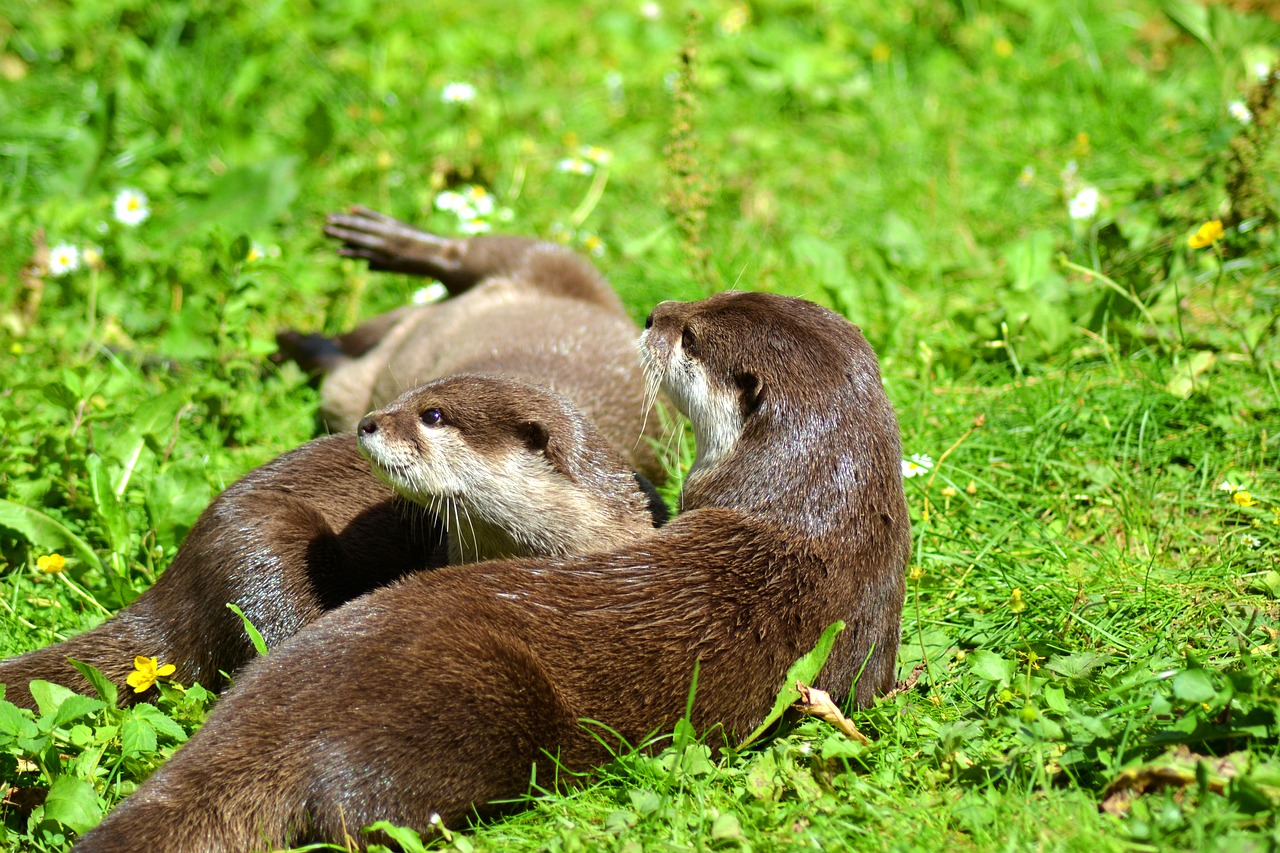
<point>1004,195</point>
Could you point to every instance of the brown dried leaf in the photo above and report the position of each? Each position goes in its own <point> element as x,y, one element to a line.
<point>1176,769</point>
<point>818,703</point>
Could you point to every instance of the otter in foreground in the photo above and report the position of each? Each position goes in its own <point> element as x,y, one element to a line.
<point>434,696</point>
<point>315,528</point>
<point>520,308</point>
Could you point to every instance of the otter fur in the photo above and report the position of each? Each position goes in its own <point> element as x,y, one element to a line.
<point>518,307</point>
<point>432,698</point>
<point>316,528</point>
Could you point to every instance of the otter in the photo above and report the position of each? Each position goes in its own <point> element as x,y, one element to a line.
<point>316,528</point>
<point>518,307</point>
<point>432,698</point>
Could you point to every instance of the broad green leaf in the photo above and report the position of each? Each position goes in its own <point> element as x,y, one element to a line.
<point>16,722</point>
<point>409,840</point>
<point>160,721</point>
<point>1077,665</point>
<point>1055,699</point>
<point>73,803</point>
<point>44,532</point>
<point>1194,686</point>
<point>104,687</point>
<point>109,507</point>
<point>805,670</point>
<point>49,696</point>
<point>136,736</point>
<point>990,666</point>
<point>76,706</point>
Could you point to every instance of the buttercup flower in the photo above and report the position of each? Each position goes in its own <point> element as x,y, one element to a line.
<point>51,564</point>
<point>1240,112</point>
<point>918,464</point>
<point>146,671</point>
<point>458,93</point>
<point>1016,604</point>
<point>1243,498</point>
<point>1206,235</point>
<point>64,259</point>
<point>131,207</point>
<point>1084,205</point>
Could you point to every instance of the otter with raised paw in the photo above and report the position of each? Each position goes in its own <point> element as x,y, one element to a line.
<point>530,476</point>
<point>433,697</point>
<point>520,308</point>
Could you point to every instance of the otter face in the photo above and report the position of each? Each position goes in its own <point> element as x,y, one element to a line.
<point>681,355</point>
<point>509,469</point>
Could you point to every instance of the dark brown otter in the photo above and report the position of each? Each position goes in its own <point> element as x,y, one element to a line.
<point>315,528</point>
<point>433,697</point>
<point>518,307</point>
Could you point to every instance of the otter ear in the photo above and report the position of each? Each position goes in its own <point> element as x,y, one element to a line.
<point>752,391</point>
<point>537,436</point>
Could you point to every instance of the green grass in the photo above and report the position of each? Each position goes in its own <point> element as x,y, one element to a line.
<point>908,163</point>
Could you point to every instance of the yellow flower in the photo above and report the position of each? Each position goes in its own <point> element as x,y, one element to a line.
<point>146,671</point>
<point>1243,498</point>
<point>1003,47</point>
<point>916,573</point>
<point>1206,235</point>
<point>1016,604</point>
<point>51,564</point>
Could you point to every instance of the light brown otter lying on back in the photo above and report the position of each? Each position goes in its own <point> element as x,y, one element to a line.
<point>434,696</point>
<point>316,528</point>
<point>519,308</point>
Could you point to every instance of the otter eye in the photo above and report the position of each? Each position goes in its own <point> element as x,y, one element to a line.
<point>648,321</point>
<point>432,417</point>
<point>688,342</point>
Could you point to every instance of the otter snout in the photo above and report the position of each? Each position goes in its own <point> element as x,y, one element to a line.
<point>368,426</point>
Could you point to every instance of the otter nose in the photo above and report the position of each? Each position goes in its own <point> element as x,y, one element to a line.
<point>367,425</point>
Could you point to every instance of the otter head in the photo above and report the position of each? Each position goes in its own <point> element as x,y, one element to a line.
<point>783,395</point>
<point>510,469</point>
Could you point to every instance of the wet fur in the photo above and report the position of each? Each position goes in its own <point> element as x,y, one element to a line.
<point>437,694</point>
<point>518,308</point>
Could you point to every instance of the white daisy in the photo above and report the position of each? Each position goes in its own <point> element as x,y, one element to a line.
<point>1240,112</point>
<point>1084,205</point>
<point>575,166</point>
<point>450,200</point>
<point>131,207</point>
<point>458,93</point>
<point>918,464</point>
<point>64,259</point>
<point>479,200</point>
<point>1228,486</point>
